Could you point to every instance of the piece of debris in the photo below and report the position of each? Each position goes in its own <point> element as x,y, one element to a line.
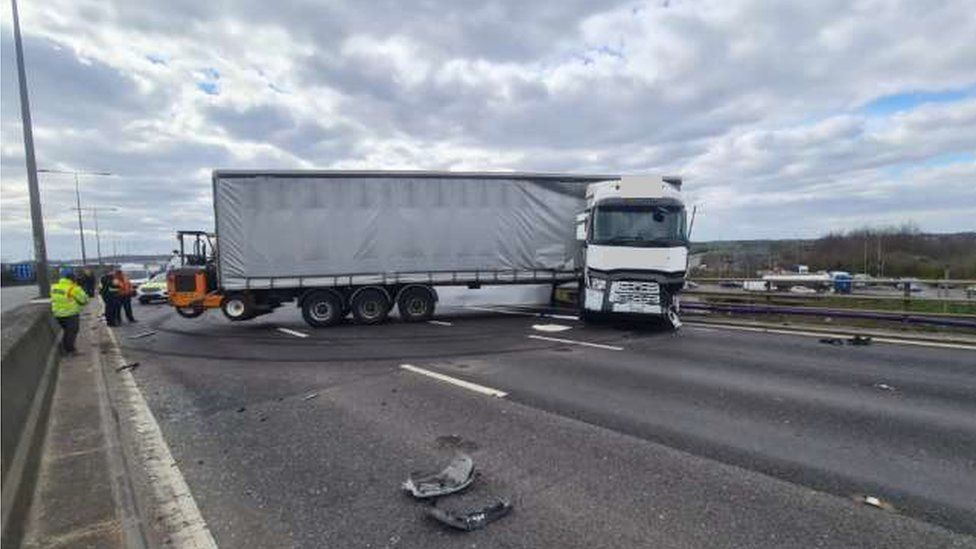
<point>241,409</point>
<point>859,340</point>
<point>143,334</point>
<point>474,519</point>
<point>832,340</point>
<point>458,475</point>
<point>884,386</point>
<point>129,366</point>
<point>310,396</point>
<point>263,418</point>
<point>877,502</point>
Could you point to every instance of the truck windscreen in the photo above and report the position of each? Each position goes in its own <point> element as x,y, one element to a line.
<point>642,225</point>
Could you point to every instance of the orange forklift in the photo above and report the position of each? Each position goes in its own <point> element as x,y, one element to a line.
<point>193,285</point>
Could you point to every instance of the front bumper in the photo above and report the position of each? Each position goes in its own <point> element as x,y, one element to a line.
<point>625,296</point>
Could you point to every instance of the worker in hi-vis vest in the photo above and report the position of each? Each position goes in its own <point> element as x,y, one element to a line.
<point>67,300</point>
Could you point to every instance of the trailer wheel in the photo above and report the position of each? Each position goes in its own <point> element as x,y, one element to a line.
<point>322,308</point>
<point>190,312</point>
<point>416,304</point>
<point>370,306</point>
<point>237,307</point>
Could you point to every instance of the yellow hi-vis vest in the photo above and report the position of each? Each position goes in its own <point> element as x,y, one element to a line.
<point>67,298</point>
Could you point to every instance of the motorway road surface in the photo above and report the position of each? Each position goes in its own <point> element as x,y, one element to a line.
<point>705,438</point>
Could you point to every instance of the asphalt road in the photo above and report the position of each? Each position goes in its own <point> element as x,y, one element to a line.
<point>704,438</point>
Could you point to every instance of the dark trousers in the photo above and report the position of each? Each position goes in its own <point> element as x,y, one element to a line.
<point>113,310</point>
<point>127,307</point>
<point>70,326</point>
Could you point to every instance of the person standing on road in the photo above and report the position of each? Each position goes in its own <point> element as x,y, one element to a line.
<point>110,295</point>
<point>126,291</point>
<point>67,300</point>
<point>88,281</point>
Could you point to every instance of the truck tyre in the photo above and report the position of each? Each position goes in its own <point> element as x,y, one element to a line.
<point>237,307</point>
<point>321,309</point>
<point>190,312</point>
<point>370,306</point>
<point>416,304</point>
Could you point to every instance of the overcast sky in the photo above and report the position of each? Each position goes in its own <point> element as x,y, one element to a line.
<point>786,119</point>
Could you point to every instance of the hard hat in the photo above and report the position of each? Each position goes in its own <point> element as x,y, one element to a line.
<point>67,272</point>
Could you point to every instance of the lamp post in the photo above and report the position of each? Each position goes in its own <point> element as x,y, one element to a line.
<point>78,208</point>
<point>37,218</point>
<point>98,236</point>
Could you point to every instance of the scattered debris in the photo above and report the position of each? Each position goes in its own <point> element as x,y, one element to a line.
<point>263,418</point>
<point>856,340</point>
<point>129,366</point>
<point>458,475</point>
<point>874,501</point>
<point>310,396</point>
<point>473,519</point>
<point>550,327</point>
<point>143,334</point>
<point>241,409</point>
<point>884,386</point>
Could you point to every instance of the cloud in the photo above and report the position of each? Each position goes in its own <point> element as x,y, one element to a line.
<point>786,119</point>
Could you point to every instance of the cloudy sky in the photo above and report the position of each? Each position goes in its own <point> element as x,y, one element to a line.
<point>785,118</point>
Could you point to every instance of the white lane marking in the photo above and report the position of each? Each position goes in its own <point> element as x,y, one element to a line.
<point>700,329</point>
<point>295,333</point>
<point>550,327</point>
<point>521,313</point>
<point>832,334</point>
<point>440,323</point>
<point>574,342</point>
<point>563,317</point>
<point>179,512</point>
<point>41,300</point>
<point>455,381</point>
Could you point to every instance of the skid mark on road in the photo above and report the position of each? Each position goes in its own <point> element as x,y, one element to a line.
<point>574,342</point>
<point>455,381</point>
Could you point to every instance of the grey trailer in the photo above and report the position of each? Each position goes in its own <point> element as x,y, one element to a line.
<point>363,242</point>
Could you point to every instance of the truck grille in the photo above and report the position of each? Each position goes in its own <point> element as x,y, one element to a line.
<point>630,291</point>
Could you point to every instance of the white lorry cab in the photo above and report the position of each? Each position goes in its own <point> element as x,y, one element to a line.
<point>635,251</point>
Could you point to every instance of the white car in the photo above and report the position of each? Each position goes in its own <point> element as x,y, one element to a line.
<point>153,290</point>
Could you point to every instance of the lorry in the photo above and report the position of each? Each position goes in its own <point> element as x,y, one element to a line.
<point>339,242</point>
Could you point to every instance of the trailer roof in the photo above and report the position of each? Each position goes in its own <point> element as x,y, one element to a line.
<point>582,178</point>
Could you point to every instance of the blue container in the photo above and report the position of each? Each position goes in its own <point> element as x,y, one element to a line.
<point>843,283</point>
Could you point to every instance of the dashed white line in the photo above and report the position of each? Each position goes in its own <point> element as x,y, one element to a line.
<point>440,323</point>
<point>563,317</point>
<point>295,333</point>
<point>574,342</point>
<point>455,381</point>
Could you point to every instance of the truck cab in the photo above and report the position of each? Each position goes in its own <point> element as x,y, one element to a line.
<point>635,248</point>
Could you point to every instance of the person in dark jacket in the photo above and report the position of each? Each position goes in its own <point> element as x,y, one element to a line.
<point>110,295</point>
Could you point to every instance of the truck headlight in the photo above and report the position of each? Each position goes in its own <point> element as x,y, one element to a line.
<point>598,283</point>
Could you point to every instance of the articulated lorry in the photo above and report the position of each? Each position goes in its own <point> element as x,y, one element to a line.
<point>364,242</point>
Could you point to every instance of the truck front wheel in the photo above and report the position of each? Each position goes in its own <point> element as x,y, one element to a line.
<point>370,306</point>
<point>321,309</point>
<point>416,304</point>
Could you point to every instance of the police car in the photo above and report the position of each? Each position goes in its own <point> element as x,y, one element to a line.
<point>153,290</point>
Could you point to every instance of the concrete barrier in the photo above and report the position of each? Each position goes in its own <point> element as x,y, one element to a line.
<point>30,339</point>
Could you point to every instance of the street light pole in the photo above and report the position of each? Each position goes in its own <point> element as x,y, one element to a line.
<point>37,218</point>
<point>81,227</point>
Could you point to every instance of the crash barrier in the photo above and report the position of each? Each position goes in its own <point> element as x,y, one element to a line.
<point>961,321</point>
<point>30,341</point>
